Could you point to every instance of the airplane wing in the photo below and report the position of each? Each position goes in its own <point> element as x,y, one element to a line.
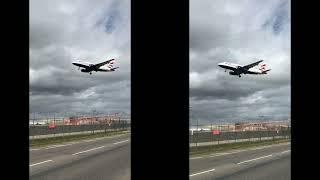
<point>230,68</point>
<point>103,63</point>
<point>263,72</point>
<point>80,65</point>
<point>105,70</point>
<point>249,72</point>
<point>252,65</point>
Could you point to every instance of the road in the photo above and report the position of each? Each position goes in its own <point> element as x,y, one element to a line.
<point>101,158</point>
<point>267,162</point>
<point>109,158</point>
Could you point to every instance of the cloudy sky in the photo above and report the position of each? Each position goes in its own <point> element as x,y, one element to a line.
<point>239,31</point>
<point>62,31</point>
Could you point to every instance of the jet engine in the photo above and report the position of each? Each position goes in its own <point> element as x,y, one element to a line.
<point>84,70</point>
<point>233,73</point>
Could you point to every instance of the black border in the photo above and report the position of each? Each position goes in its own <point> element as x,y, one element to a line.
<point>160,89</point>
<point>304,90</point>
<point>15,88</point>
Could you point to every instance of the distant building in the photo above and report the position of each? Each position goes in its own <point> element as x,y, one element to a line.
<point>253,126</point>
<point>90,120</point>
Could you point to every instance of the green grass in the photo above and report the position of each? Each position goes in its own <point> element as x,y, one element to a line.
<point>69,138</point>
<point>204,150</point>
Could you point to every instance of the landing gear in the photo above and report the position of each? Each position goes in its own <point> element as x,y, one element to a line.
<point>239,76</point>
<point>225,70</point>
<point>90,73</point>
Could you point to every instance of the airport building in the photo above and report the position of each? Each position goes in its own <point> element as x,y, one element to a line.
<point>275,125</point>
<point>90,120</point>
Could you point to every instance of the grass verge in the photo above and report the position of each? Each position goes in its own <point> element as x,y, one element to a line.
<point>69,138</point>
<point>205,150</point>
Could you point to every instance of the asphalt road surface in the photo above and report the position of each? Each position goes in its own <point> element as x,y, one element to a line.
<point>262,163</point>
<point>101,158</point>
<point>109,158</point>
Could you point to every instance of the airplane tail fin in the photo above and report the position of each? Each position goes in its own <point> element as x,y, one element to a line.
<point>263,68</point>
<point>110,63</point>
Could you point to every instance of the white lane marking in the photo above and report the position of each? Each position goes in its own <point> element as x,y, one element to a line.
<point>196,157</point>
<point>89,140</point>
<point>285,151</point>
<point>59,145</point>
<point>53,146</point>
<point>254,159</point>
<point>39,163</point>
<point>121,141</point>
<point>89,150</point>
<point>201,172</point>
<point>222,154</point>
<point>34,149</point>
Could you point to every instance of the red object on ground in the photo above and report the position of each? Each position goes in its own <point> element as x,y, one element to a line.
<point>51,126</point>
<point>215,132</point>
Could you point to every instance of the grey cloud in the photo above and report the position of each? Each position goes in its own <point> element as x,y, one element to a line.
<point>61,32</point>
<point>236,31</point>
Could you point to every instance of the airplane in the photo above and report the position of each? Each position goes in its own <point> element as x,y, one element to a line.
<point>237,69</point>
<point>199,130</point>
<point>89,67</point>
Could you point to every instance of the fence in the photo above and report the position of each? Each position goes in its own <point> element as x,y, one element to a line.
<point>75,119</point>
<point>205,137</point>
<point>198,137</point>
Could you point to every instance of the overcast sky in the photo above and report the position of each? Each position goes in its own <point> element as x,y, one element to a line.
<point>62,31</point>
<point>239,31</point>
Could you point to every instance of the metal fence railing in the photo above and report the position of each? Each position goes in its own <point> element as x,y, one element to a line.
<point>213,134</point>
<point>53,124</point>
<point>65,129</point>
<point>198,137</point>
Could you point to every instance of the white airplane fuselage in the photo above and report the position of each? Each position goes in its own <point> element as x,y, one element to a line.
<point>237,69</point>
<point>88,67</point>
